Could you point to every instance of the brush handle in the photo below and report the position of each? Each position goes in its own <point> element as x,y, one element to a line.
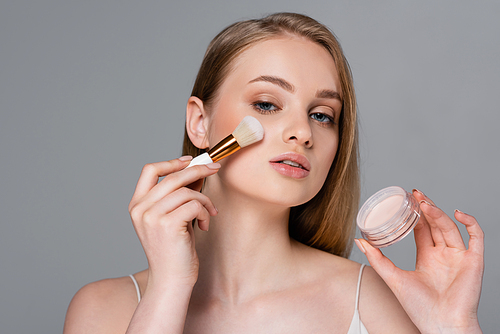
<point>202,159</point>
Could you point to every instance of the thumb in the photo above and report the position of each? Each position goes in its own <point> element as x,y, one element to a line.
<point>380,263</point>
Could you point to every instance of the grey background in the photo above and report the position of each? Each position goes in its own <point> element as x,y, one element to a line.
<point>92,90</point>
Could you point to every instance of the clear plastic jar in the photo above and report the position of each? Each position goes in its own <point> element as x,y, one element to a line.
<point>388,216</point>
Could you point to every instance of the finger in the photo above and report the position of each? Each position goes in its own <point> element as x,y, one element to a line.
<point>436,234</point>
<point>422,231</point>
<point>180,197</point>
<point>437,237</point>
<point>420,196</point>
<point>476,234</point>
<point>443,229</point>
<point>422,234</point>
<point>180,179</point>
<point>423,239</point>
<point>153,171</point>
<point>382,265</point>
<point>189,211</point>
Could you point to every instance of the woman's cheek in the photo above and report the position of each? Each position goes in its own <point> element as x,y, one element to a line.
<point>222,125</point>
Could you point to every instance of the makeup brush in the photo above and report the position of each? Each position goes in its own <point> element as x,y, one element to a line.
<point>249,131</point>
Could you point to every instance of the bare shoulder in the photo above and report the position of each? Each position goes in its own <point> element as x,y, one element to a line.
<point>379,309</point>
<point>328,265</point>
<point>106,305</point>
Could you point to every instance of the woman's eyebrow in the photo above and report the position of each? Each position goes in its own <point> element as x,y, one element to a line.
<point>277,81</point>
<point>328,94</point>
<point>321,94</point>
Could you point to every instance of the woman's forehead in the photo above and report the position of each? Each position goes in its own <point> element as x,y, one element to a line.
<point>297,60</point>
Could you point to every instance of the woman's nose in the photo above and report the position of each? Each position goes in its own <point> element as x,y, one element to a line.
<point>299,131</point>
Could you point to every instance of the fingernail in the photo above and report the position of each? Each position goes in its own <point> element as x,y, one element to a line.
<point>186,158</point>
<point>213,165</point>
<point>424,201</point>
<point>456,210</point>
<point>360,246</point>
<point>418,191</point>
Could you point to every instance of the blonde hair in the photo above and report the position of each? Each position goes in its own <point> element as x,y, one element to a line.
<point>325,222</point>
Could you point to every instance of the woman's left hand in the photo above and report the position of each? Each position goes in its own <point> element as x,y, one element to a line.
<point>442,294</point>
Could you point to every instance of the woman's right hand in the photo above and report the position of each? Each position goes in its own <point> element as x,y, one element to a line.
<point>162,214</point>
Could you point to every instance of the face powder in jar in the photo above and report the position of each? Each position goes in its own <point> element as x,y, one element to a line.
<point>388,216</point>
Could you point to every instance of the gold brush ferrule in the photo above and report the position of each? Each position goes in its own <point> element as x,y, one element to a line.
<point>225,147</point>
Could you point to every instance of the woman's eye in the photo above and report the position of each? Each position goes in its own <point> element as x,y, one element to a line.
<point>322,118</point>
<point>265,107</point>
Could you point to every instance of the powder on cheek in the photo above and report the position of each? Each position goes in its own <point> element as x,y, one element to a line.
<point>384,211</point>
<point>222,124</point>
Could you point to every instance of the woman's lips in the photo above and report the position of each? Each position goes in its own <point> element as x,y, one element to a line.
<point>291,164</point>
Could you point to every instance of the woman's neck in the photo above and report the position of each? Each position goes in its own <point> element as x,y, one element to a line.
<point>247,250</point>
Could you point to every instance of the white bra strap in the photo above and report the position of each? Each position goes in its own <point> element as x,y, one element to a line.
<point>137,288</point>
<point>359,285</point>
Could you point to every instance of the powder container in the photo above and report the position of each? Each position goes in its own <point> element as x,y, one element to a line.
<point>388,216</point>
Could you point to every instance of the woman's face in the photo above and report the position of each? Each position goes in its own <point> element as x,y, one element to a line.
<point>291,86</point>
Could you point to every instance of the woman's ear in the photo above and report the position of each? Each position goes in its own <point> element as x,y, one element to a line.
<point>197,122</point>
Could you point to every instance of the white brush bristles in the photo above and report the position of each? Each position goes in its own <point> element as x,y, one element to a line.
<point>248,131</point>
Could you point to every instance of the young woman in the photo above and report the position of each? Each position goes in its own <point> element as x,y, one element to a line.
<point>268,252</point>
